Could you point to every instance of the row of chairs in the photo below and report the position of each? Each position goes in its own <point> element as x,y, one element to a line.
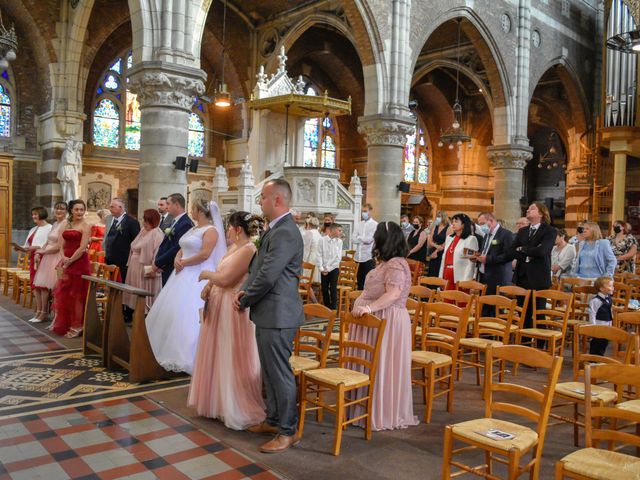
<point>18,279</point>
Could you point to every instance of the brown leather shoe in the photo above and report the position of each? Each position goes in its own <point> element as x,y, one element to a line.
<point>263,427</point>
<point>280,443</point>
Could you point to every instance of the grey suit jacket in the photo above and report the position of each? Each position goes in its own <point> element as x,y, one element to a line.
<point>271,290</point>
<point>166,223</point>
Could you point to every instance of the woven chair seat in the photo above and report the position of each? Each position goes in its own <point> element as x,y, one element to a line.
<point>479,342</point>
<point>299,364</point>
<point>631,405</point>
<point>524,439</point>
<point>335,336</point>
<point>568,389</point>
<point>336,376</point>
<point>540,332</point>
<point>602,464</point>
<point>574,322</point>
<point>422,357</point>
<point>498,326</point>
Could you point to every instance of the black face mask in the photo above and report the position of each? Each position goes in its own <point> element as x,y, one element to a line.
<point>326,224</point>
<point>416,226</point>
<point>617,229</point>
<point>580,230</point>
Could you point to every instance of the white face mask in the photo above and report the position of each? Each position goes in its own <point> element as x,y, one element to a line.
<point>437,221</point>
<point>484,228</point>
<point>404,224</point>
<point>365,216</point>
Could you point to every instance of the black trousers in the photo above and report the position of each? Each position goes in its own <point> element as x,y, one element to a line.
<point>598,346</point>
<point>329,283</point>
<point>487,310</point>
<point>274,349</point>
<point>363,270</point>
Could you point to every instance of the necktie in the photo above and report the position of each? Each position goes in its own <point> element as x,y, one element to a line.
<point>114,226</point>
<point>487,243</point>
<point>532,232</point>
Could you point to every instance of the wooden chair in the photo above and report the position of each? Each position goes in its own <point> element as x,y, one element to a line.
<point>579,311</point>
<point>526,440</point>
<point>523,297</point>
<point>421,293</point>
<point>6,273</point>
<point>434,366</point>
<point>23,289</point>
<point>349,254</point>
<point>567,284</point>
<point>435,283</point>
<point>593,462</point>
<point>572,393</point>
<point>621,296</point>
<point>629,321</point>
<point>472,287</point>
<point>417,268</point>
<point>110,273</point>
<point>549,323</point>
<point>415,309</point>
<point>487,332</point>
<point>347,281</point>
<point>335,337</point>
<point>458,298</point>
<point>354,358</point>
<point>306,281</point>
<point>311,346</point>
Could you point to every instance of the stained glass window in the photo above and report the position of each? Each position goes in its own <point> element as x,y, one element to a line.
<point>117,119</point>
<point>196,136</point>
<point>319,141</point>
<point>328,153</point>
<point>5,113</point>
<point>106,124</point>
<point>416,156</point>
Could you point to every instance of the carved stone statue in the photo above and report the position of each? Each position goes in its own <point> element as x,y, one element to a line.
<point>70,169</point>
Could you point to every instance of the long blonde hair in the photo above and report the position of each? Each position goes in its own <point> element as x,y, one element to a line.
<point>596,233</point>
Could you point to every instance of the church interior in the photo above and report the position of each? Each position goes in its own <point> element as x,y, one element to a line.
<point>412,107</point>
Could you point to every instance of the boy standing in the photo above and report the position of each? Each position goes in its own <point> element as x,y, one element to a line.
<point>600,312</point>
<point>329,256</point>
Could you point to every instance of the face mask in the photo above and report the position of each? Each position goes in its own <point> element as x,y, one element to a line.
<point>365,216</point>
<point>404,224</point>
<point>617,229</point>
<point>484,228</point>
<point>437,221</point>
<point>326,224</point>
<point>416,226</point>
<point>580,230</point>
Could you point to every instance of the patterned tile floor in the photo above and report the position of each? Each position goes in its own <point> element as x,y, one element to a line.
<point>126,438</point>
<point>18,337</point>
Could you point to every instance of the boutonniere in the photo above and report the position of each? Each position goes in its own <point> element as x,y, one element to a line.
<point>168,232</point>
<point>495,242</point>
<point>256,242</point>
<point>119,228</point>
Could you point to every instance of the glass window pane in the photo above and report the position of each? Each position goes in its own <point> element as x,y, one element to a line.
<point>111,82</point>
<point>129,60</point>
<point>5,113</point>
<point>106,124</point>
<point>117,66</point>
<point>310,157</point>
<point>311,133</point>
<point>328,153</point>
<point>132,126</point>
<point>423,168</point>
<point>196,136</point>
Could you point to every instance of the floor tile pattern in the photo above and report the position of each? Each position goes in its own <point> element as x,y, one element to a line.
<point>126,438</point>
<point>18,337</point>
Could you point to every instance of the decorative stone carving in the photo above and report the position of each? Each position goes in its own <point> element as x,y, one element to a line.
<point>98,196</point>
<point>327,193</point>
<point>355,187</point>
<point>220,180</point>
<point>304,191</point>
<point>342,202</point>
<point>381,130</point>
<point>159,84</point>
<point>70,169</point>
<point>509,157</point>
<point>246,176</point>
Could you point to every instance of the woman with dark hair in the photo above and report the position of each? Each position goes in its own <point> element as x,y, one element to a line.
<point>625,247</point>
<point>46,277</point>
<point>226,382</point>
<point>385,294</point>
<point>71,290</point>
<point>440,228</point>
<point>562,256</point>
<point>417,240</point>
<point>456,265</point>
<point>143,250</point>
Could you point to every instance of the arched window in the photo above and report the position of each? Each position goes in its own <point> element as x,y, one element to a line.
<point>320,141</point>
<point>416,156</point>
<point>5,112</point>
<point>117,117</point>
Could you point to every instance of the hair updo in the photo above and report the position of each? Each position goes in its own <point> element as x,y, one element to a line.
<point>245,220</point>
<point>202,206</point>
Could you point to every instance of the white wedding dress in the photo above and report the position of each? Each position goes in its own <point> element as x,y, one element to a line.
<point>173,323</point>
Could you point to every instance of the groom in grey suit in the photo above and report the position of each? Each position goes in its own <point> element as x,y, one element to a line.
<point>271,292</point>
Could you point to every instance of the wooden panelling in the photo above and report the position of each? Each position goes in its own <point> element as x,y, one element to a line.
<point>6,165</point>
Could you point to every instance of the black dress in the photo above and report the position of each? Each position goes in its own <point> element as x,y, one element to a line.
<point>438,238</point>
<point>412,241</point>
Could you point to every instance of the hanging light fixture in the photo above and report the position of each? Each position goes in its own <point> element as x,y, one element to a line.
<point>8,44</point>
<point>554,157</point>
<point>455,135</point>
<point>222,96</point>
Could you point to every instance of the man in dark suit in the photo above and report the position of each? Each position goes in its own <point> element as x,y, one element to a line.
<point>532,250</point>
<point>271,291</point>
<point>122,231</point>
<point>494,265</point>
<point>170,247</point>
<point>165,218</point>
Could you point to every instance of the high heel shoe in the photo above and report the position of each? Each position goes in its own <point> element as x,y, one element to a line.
<point>73,333</point>
<point>36,317</point>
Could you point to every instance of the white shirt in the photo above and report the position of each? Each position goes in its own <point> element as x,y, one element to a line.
<point>329,254</point>
<point>487,246</point>
<point>363,240</point>
<point>116,221</point>
<point>276,220</point>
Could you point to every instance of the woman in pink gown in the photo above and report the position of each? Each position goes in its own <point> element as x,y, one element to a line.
<point>385,294</point>
<point>143,251</point>
<point>50,255</point>
<point>226,382</point>
<point>71,290</point>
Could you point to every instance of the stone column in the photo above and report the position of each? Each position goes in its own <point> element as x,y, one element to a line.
<point>386,137</point>
<point>508,164</point>
<point>619,185</point>
<point>166,92</point>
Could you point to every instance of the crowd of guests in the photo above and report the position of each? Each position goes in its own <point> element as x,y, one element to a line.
<point>211,280</point>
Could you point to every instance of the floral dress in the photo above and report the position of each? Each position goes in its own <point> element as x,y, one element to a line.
<point>622,248</point>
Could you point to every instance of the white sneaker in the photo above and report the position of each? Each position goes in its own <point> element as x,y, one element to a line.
<point>35,320</point>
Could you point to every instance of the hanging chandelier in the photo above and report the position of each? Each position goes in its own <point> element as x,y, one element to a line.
<point>222,95</point>
<point>455,135</point>
<point>8,44</point>
<point>554,157</point>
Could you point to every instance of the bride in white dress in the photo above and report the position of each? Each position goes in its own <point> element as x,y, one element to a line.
<point>173,323</point>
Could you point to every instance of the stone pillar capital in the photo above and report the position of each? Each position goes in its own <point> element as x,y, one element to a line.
<point>513,157</point>
<point>386,130</point>
<point>162,84</point>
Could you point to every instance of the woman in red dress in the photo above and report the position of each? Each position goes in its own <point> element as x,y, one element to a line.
<point>456,264</point>
<point>97,234</point>
<point>71,290</point>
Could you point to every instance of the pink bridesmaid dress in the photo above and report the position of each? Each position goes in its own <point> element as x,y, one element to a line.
<point>392,396</point>
<point>226,383</point>
<point>143,251</point>
<point>46,275</point>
